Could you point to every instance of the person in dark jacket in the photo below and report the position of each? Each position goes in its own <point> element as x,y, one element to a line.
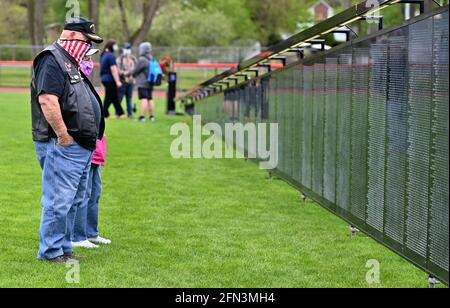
<point>111,79</point>
<point>67,121</point>
<point>145,90</point>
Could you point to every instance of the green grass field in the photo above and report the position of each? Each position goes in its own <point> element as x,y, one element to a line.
<point>181,223</point>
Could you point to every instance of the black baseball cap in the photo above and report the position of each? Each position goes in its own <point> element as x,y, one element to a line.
<point>85,26</point>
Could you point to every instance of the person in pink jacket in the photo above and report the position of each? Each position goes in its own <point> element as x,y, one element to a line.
<point>85,231</point>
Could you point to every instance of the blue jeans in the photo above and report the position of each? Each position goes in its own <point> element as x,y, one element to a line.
<point>86,220</point>
<point>41,152</point>
<point>127,91</point>
<point>64,182</point>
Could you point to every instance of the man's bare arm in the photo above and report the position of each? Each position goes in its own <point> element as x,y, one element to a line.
<point>52,112</point>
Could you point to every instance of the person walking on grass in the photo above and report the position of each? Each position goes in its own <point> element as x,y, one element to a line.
<point>67,119</point>
<point>145,90</point>
<point>126,63</point>
<point>111,79</point>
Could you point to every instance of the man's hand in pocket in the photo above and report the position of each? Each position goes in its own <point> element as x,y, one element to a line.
<point>65,140</point>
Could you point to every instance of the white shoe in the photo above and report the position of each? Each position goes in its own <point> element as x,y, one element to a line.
<point>84,244</point>
<point>100,241</point>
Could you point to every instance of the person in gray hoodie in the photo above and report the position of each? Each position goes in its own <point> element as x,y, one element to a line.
<point>145,90</point>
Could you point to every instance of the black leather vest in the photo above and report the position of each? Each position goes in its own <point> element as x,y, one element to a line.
<point>76,107</point>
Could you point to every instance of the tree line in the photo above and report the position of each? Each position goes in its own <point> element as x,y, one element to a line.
<point>208,21</point>
<point>165,22</point>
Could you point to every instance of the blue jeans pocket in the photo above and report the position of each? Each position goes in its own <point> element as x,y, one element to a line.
<point>66,146</point>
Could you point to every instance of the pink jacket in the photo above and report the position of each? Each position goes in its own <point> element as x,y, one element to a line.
<point>99,157</point>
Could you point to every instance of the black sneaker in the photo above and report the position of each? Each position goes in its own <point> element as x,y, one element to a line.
<point>141,119</point>
<point>60,260</point>
<point>152,119</point>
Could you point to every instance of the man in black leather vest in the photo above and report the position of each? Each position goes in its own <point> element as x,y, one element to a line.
<point>67,120</point>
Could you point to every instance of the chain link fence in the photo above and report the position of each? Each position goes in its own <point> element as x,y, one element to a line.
<point>177,54</point>
<point>18,74</point>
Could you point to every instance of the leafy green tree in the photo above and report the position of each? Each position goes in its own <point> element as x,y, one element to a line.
<point>149,9</point>
<point>272,18</point>
<point>13,22</point>
<point>56,10</point>
<point>236,11</point>
<point>183,26</point>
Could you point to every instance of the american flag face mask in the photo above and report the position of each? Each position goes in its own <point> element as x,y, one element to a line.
<point>76,48</point>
